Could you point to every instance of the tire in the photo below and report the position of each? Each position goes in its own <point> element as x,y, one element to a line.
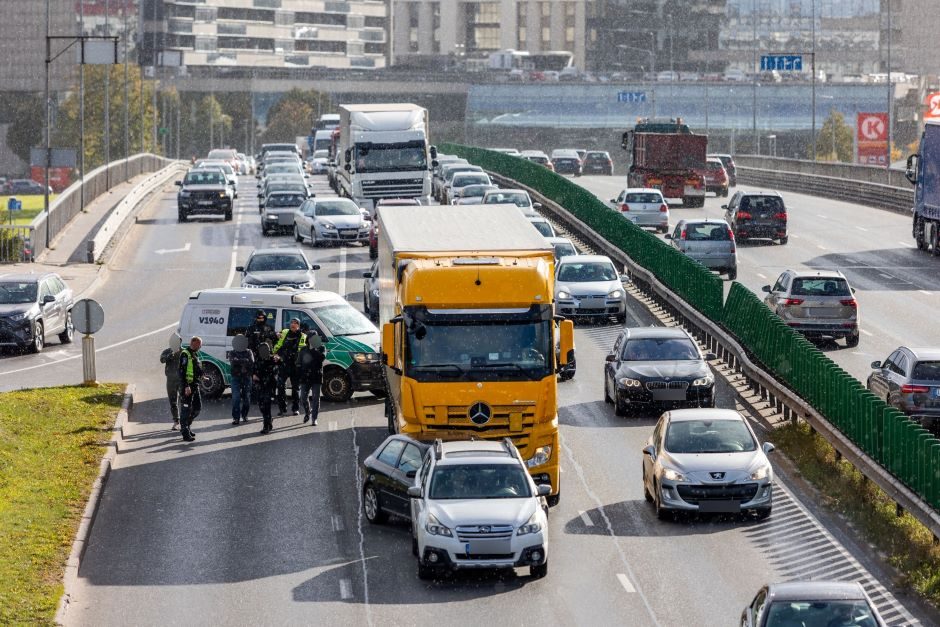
<point>762,513</point>
<point>39,337</point>
<point>370,506</point>
<point>935,239</point>
<point>661,512</point>
<point>425,572</point>
<point>337,386</point>
<point>391,416</point>
<point>851,341</point>
<point>414,546</point>
<point>365,305</point>
<point>379,393</point>
<point>607,399</point>
<point>919,234</point>
<point>373,253</point>
<point>646,492</point>
<point>212,383</point>
<point>784,240</point>
<point>732,274</point>
<point>297,236</point>
<point>553,499</point>
<point>538,572</point>
<point>228,215</point>
<point>181,216</point>
<point>69,333</point>
<point>619,408</point>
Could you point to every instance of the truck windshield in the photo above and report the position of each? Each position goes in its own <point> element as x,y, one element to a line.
<point>391,157</point>
<point>479,350</point>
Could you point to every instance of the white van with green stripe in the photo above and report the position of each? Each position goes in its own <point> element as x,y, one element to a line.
<point>352,364</point>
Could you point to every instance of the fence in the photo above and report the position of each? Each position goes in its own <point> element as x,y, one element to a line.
<point>69,203</point>
<point>884,439</point>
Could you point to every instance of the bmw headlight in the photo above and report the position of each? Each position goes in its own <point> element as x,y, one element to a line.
<point>270,216</point>
<point>305,286</point>
<point>671,475</point>
<point>223,194</point>
<point>703,382</point>
<point>18,316</point>
<point>329,226</point>
<point>531,526</point>
<point>763,472</point>
<point>435,528</point>
<point>628,382</point>
<point>541,456</point>
<point>563,294</point>
<point>365,358</point>
<point>615,294</point>
<point>184,193</point>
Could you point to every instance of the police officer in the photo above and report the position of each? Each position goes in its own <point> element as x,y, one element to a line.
<point>190,373</point>
<point>260,332</point>
<point>170,358</point>
<point>242,364</point>
<point>264,378</point>
<point>310,373</point>
<point>288,345</point>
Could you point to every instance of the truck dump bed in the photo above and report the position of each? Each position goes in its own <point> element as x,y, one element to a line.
<point>656,151</point>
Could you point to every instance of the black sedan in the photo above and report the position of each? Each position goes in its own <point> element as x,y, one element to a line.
<point>387,474</point>
<point>657,366</point>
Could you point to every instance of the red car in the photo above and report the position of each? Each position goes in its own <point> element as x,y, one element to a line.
<point>374,231</point>
<point>716,178</point>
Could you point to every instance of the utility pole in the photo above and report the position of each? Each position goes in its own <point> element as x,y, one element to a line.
<point>754,85</point>
<point>81,110</point>
<point>127,120</point>
<point>107,101</point>
<point>890,92</point>
<point>813,67</point>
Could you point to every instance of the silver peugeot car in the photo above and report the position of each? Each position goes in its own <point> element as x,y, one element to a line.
<point>706,460</point>
<point>589,285</point>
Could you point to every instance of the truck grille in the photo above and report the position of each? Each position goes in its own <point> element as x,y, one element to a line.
<point>735,492</point>
<point>394,188</point>
<point>466,533</point>
<point>667,385</point>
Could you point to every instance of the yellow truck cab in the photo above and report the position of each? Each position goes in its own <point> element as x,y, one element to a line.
<point>470,341</point>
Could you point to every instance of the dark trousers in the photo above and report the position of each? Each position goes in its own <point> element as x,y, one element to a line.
<point>264,403</point>
<point>189,407</point>
<point>288,371</point>
<point>241,396</point>
<point>172,391</point>
<point>310,399</point>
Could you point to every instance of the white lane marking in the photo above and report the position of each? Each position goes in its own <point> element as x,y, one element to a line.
<point>342,272</point>
<point>184,249</point>
<point>821,247</point>
<point>97,350</point>
<point>345,589</point>
<point>234,262</point>
<point>338,523</point>
<point>625,582</point>
<point>761,275</point>
<point>924,292</point>
<point>908,244</point>
<point>886,276</point>
<point>868,333</point>
<point>332,426</point>
<point>821,215</point>
<point>608,524</point>
<point>861,228</point>
<point>585,518</point>
<point>362,537</point>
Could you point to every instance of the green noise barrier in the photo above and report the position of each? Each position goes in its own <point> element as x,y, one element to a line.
<point>894,441</point>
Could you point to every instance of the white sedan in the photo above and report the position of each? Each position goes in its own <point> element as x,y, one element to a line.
<point>326,220</point>
<point>644,206</point>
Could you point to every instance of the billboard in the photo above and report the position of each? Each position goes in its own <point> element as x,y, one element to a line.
<point>871,132</point>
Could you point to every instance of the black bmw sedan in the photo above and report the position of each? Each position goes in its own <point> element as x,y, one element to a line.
<point>657,366</point>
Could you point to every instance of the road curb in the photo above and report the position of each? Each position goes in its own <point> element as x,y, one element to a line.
<point>80,543</point>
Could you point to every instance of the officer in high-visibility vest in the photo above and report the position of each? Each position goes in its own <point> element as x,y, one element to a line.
<point>292,339</point>
<point>190,400</point>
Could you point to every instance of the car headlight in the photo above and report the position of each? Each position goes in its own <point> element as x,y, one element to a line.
<point>305,286</point>
<point>761,473</point>
<point>270,216</point>
<point>627,382</point>
<point>671,475</point>
<point>365,358</point>
<point>19,316</point>
<point>563,294</point>
<point>435,528</point>
<point>531,526</point>
<point>184,193</point>
<point>615,294</point>
<point>541,456</point>
<point>223,194</point>
<point>703,382</point>
<point>329,226</point>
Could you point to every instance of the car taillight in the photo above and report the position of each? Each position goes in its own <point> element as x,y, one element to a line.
<point>849,302</point>
<point>793,301</point>
<point>663,208</point>
<point>744,215</point>
<point>625,207</point>
<point>914,389</point>
<point>781,215</point>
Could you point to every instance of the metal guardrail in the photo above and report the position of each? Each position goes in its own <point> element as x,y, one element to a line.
<point>737,357</point>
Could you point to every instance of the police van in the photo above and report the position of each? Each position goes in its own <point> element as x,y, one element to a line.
<point>351,341</point>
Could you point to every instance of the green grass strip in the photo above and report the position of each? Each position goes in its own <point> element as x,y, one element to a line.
<point>51,442</point>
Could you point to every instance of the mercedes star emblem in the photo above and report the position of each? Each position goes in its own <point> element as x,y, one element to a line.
<point>479,413</point>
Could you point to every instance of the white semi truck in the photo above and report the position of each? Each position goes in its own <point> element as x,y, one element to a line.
<point>383,152</point>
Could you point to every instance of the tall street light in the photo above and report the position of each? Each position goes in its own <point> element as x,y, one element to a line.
<point>890,91</point>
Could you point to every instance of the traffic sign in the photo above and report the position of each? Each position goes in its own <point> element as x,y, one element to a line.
<point>933,106</point>
<point>631,96</point>
<point>14,204</point>
<point>87,316</point>
<point>785,62</point>
<point>873,127</point>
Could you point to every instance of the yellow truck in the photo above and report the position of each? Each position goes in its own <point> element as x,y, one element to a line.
<point>470,341</point>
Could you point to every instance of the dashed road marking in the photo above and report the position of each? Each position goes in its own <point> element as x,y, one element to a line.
<point>761,275</point>
<point>345,589</point>
<point>925,292</point>
<point>821,247</point>
<point>907,244</point>
<point>625,582</point>
<point>861,228</point>
<point>868,333</point>
<point>342,271</point>
<point>585,518</point>
<point>821,215</point>
<point>338,523</point>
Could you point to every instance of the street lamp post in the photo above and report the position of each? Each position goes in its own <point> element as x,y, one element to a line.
<point>653,70</point>
<point>890,91</point>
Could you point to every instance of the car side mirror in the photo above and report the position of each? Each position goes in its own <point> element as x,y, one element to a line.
<point>624,278</point>
<point>765,288</point>
<point>611,358</point>
<point>366,275</point>
<point>536,205</point>
<point>411,474</point>
<point>48,298</point>
<point>433,151</point>
<point>649,450</point>
<point>544,490</point>
<point>178,183</point>
<point>347,167</point>
<point>876,365</point>
<point>239,268</point>
<point>260,195</point>
<point>613,200</point>
<point>724,206</point>
<point>414,492</point>
<point>232,183</point>
<point>668,236</point>
<point>710,356</point>
<point>910,173</point>
<point>853,289</point>
<point>768,447</point>
<point>315,266</point>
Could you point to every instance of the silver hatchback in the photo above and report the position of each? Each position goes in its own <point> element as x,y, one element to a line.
<point>909,379</point>
<point>816,303</point>
<point>709,242</point>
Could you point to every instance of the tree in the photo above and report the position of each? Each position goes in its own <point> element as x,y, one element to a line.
<point>26,122</point>
<point>318,103</point>
<point>291,120</point>
<point>834,140</point>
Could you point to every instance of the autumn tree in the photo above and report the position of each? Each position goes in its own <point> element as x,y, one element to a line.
<point>834,140</point>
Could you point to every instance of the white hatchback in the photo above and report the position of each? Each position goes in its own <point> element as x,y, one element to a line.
<point>644,206</point>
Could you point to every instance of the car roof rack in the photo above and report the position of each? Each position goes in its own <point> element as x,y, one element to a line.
<point>511,448</point>
<point>438,449</point>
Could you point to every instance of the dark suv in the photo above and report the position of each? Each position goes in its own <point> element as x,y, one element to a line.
<point>757,215</point>
<point>34,307</point>
<point>597,162</point>
<point>204,191</point>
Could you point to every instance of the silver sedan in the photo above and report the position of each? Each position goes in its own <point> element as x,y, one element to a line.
<point>706,460</point>
<point>326,220</point>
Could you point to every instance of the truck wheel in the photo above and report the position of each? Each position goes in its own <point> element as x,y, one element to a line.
<point>919,234</point>
<point>554,499</point>
<point>391,415</point>
<point>212,383</point>
<point>181,216</point>
<point>336,385</point>
<point>934,239</point>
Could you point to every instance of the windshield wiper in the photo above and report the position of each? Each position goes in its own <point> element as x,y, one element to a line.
<point>438,367</point>
<point>516,366</point>
<point>351,333</point>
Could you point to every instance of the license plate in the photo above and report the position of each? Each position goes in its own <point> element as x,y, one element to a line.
<point>205,203</point>
<point>719,507</point>
<point>669,395</point>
